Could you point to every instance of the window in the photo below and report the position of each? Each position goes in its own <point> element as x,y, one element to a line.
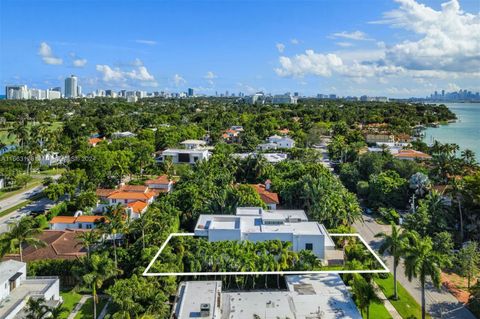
<point>308,246</point>
<point>80,226</point>
<point>195,158</point>
<point>89,226</point>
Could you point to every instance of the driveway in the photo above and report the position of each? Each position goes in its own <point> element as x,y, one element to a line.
<point>439,303</point>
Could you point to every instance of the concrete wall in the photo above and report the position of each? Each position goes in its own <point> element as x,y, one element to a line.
<point>224,234</point>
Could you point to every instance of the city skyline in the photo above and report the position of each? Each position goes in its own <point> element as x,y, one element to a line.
<point>399,48</point>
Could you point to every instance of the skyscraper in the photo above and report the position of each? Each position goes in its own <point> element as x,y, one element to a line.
<point>190,92</point>
<point>71,87</point>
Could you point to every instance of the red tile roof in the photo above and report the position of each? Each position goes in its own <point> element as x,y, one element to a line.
<point>137,206</point>
<point>412,154</point>
<point>61,244</point>
<point>94,140</point>
<point>267,196</point>
<point>162,179</point>
<point>73,219</point>
<point>104,192</point>
<point>132,195</point>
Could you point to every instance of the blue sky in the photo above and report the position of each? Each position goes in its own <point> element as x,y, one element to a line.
<point>394,48</point>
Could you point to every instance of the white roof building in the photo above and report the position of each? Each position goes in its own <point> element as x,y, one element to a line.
<point>316,296</point>
<point>193,144</point>
<point>255,224</point>
<point>123,134</point>
<point>16,289</point>
<point>269,157</point>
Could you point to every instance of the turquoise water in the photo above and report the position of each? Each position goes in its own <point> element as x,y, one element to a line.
<point>465,132</point>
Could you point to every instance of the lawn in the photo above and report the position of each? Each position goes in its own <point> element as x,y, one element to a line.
<point>377,311</point>
<point>86,312</point>
<point>70,300</point>
<point>406,305</point>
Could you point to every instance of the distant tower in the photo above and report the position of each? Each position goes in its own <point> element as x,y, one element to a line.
<point>71,86</point>
<point>190,92</point>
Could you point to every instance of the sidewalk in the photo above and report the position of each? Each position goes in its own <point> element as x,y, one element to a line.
<point>388,305</point>
<point>78,306</point>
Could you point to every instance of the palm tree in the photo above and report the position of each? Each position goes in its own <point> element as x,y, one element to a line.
<point>36,308</point>
<point>468,158</point>
<point>113,223</point>
<point>87,239</point>
<point>393,244</point>
<point>364,293</point>
<point>97,269</point>
<point>422,261</point>
<point>23,232</point>
<point>457,190</point>
<point>20,131</point>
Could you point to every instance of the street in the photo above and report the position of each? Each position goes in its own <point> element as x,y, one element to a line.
<point>440,304</point>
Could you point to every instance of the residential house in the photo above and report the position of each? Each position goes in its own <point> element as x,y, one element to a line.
<point>255,224</point>
<point>266,195</point>
<point>269,157</point>
<point>74,222</point>
<point>193,151</point>
<point>403,138</point>
<point>380,137</point>
<point>306,296</point>
<point>93,141</point>
<point>126,134</point>
<point>411,155</point>
<point>60,244</point>
<point>232,135</point>
<point>135,198</point>
<point>16,289</point>
<point>275,142</point>
<point>161,184</point>
<point>52,159</point>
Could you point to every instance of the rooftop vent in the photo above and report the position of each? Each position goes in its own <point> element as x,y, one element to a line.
<point>205,310</point>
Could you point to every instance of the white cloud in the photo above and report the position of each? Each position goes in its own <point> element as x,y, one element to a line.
<point>452,87</point>
<point>294,41</point>
<point>179,80</point>
<point>355,35</point>
<point>344,44</point>
<point>445,40</point>
<point>79,63</point>
<point>138,75</point>
<point>147,42</point>
<point>47,55</point>
<point>442,46</point>
<point>280,47</point>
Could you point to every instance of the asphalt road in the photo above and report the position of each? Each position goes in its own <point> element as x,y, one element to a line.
<point>439,303</point>
<point>40,204</point>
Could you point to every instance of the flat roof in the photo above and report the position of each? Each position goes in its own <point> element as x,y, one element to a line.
<point>197,142</point>
<point>171,151</point>
<point>192,294</point>
<point>8,269</point>
<point>308,296</point>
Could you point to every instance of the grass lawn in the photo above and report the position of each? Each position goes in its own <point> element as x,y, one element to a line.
<point>406,305</point>
<point>70,300</point>
<point>377,311</point>
<point>86,312</point>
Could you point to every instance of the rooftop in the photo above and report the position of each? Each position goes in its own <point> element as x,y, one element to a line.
<point>9,268</point>
<point>192,294</point>
<point>193,142</point>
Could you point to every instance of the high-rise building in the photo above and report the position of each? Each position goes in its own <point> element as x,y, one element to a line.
<point>16,92</point>
<point>71,87</point>
<point>79,90</point>
<point>190,92</point>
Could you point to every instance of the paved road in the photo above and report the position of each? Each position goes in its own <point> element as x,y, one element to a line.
<point>41,204</point>
<point>440,304</point>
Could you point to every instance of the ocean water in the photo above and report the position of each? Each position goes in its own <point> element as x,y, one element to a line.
<point>465,132</point>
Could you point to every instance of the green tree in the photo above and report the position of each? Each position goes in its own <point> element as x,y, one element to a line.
<point>97,269</point>
<point>88,239</point>
<point>19,234</point>
<point>364,294</point>
<point>393,244</point>
<point>422,261</point>
<point>468,259</point>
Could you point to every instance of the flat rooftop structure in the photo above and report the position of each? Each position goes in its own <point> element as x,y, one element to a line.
<point>315,296</point>
<point>192,295</point>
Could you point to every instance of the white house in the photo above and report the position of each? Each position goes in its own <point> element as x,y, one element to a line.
<point>193,144</point>
<point>269,157</point>
<point>123,135</point>
<point>136,198</point>
<point>16,289</point>
<point>161,184</point>
<point>282,141</point>
<point>255,224</point>
<point>74,222</point>
<point>307,296</point>
<point>52,159</point>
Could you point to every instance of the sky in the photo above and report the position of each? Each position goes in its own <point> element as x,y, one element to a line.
<point>394,48</point>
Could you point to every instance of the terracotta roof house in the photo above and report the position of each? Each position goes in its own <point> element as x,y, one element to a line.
<point>161,184</point>
<point>94,141</point>
<point>74,222</point>
<point>411,155</point>
<point>60,244</point>
<point>268,197</point>
<point>135,198</point>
